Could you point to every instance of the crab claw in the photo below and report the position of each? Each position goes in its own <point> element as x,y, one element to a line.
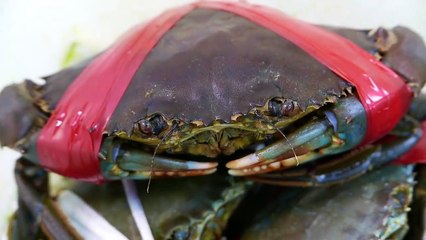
<point>140,162</point>
<point>339,130</point>
<point>123,161</point>
<point>298,148</point>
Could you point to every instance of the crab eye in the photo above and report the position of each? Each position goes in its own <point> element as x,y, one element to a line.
<point>278,107</point>
<point>153,125</point>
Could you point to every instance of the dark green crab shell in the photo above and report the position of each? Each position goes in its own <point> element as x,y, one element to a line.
<point>216,72</point>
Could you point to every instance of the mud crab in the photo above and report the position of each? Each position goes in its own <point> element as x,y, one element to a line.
<point>258,105</point>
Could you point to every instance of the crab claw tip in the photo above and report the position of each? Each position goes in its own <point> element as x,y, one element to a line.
<point>243,162</point>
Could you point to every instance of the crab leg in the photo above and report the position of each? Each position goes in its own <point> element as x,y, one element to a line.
<point>124,161</point>
<point>340,129</point>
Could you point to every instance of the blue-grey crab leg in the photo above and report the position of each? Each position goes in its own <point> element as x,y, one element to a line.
<point>341,129</point>
<point>119,161</point>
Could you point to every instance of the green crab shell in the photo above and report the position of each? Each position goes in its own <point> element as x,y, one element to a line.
<point>374,206</point>
<point>213,66</point>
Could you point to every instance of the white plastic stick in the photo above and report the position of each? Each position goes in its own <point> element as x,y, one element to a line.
<point>137,211</point>
<point>86,220</point>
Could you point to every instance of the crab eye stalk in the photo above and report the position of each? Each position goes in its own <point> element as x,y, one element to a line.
<point>153,125</point>
<point>282,107</point>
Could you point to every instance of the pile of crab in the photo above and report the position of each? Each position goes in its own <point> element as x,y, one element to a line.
<point>244,134</point>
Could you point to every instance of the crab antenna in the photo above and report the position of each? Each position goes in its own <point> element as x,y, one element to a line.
<point>279,131</point>
<point>167,135</point>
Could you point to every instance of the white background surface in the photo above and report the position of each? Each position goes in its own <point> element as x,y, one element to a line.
<point>36,34</point>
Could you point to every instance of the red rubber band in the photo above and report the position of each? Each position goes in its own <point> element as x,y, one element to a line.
<point>70,141</point>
